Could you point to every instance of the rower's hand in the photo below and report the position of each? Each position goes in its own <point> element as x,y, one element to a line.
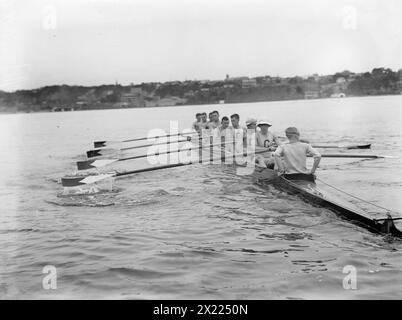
<point>312,172</point>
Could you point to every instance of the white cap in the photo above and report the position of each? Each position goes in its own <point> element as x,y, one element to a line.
<point>262,122</point>
<point>251,121</point>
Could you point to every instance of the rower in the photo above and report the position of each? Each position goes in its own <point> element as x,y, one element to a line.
<point>251,124</point>
<point>224,126</point>
<point>196,125</point>
<point>214,120</point>
<point>238,134</point>
<point>237,129</point>
<point>204,119</point>
<point>294,155</point>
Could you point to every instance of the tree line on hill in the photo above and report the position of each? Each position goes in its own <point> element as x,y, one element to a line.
<point>242,89</point>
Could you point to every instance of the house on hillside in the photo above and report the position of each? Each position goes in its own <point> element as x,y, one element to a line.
<point>87,99</point>
<point>133,99</point>
<point>340,80</point>
<point>171,101</point>
<point>311,94</point>
<point>236,79</point>
<point>338,95</point>
<point>249,83</point>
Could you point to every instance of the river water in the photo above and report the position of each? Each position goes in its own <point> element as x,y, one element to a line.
<point>198,231</point>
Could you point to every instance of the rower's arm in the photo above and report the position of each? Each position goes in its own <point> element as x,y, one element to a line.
<point>317,158</point>
<point>315,164</point>
<point>278,160</point>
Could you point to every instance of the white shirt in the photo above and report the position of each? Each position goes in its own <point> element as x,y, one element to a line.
<point>295,156</point>
<point>213,125</point>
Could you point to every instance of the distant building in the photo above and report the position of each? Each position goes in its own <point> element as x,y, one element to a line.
<point>228,85</point>
<point>338,95</point>
<point>189,94</point>
<point>249,83</point>
<point>311,94</point>
<point>171,101</point>
<point>86,99</point>
<point>340,80</point>
<point>238,79</point>
<point>133,99</point>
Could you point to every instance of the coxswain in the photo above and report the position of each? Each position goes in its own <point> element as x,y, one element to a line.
<point>265,140</point>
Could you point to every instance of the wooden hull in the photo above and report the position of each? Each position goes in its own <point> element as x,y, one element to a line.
<point>305,186</point>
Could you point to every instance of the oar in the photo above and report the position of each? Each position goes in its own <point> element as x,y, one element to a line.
<point>84,180</point>
<point>346,155</point>
<point>79,181</point>
<point>350,146</point>
<point>355,146</point>
<point>103,143</point>
<point>108,151</point>
<point>97,163</point>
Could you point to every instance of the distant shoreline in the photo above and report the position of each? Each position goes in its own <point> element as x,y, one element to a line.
<point>61,98</point>
<point>8,111</point>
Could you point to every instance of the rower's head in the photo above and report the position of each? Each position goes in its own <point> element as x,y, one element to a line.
<point>251,124</point>
<point>215,115</point>
<point>225,122</point>
<point>264,126</point>
<point>292,133</point>
<point>204,117</point>
<point>235,119</point>
<point>198,117</point>
<point>211,116</point>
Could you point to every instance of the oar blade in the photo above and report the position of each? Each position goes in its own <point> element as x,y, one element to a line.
<point>80,181</point>
<point>94,153</point>
<point>85,165</point>
<point>101,152</point>
<point>100,144</point>
<point>90,164</point>
<point>359,146</point>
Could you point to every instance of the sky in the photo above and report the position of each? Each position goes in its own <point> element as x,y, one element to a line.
<point>88,42</point>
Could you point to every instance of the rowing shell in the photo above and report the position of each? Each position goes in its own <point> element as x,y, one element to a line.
<point>304,185</point>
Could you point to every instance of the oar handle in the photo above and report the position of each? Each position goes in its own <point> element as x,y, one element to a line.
<point>98,144</point>
<point>159,143</point>
<point>163,136</point>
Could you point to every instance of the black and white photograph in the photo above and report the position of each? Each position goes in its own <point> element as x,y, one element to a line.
<point>196,150</point>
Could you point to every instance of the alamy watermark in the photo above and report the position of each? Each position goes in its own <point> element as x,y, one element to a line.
<point>49,281</point>
<point>206,147</point>
<point>350,280</point>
